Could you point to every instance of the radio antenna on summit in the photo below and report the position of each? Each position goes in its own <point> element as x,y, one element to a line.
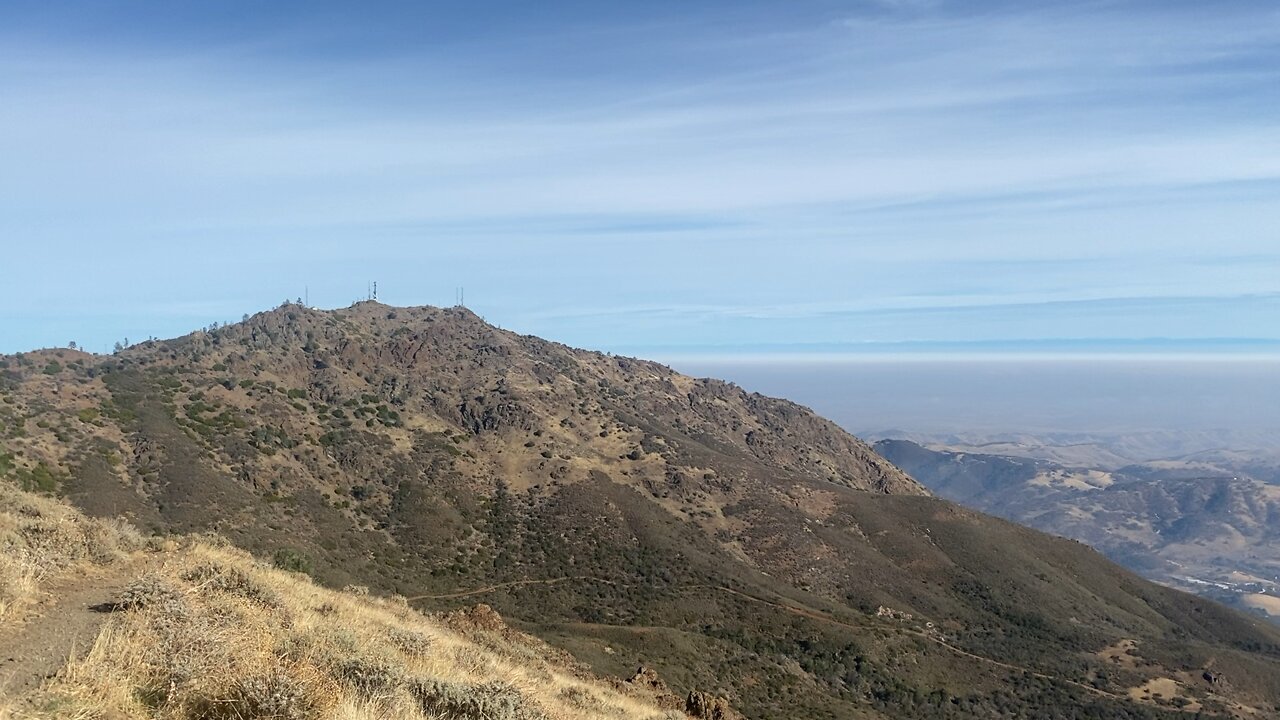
<point>375,291</point>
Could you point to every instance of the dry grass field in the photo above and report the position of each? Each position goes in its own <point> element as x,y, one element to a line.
<point>197,629</point>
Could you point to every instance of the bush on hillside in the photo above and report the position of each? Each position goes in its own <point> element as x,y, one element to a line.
<point>491,700</point>
<point>275,695</point>
<point>293,561</point>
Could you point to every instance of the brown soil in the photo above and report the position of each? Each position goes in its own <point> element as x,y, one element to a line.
<point>63,627</point>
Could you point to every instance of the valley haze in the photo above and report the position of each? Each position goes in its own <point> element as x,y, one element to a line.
<point>1236,395</point>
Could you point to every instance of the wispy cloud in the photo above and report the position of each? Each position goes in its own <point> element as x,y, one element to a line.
<point>890,154</point>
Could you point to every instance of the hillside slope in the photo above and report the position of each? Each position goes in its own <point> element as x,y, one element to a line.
<point>1194,522</point>
<point>120,627</point>
<point>620,510</point>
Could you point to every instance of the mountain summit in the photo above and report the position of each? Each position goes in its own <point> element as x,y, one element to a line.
<point>619,510</point>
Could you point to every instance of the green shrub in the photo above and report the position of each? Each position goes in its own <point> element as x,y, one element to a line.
<point>293,561</point>
<point>38,479</point>
<point>53,368</point>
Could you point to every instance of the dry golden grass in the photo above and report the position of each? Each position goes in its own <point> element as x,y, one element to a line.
<point>214,634</point>
<point>41,538</point>
<point>208,632</point>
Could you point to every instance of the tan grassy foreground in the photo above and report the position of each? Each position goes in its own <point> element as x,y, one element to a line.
<point>207,632</point>
<point>41,538</point>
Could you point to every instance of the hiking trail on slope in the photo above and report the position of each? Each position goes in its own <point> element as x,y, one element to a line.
<point>64,625</point>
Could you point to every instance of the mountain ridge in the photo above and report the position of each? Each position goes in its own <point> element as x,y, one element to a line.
<point>737,543</point>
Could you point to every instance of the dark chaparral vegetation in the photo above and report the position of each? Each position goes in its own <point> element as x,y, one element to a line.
<point>619,510</point>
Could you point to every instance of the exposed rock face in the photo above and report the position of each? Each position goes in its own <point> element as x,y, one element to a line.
<point>477,617</point>
<point>647,682</point>
<point>709,707</point>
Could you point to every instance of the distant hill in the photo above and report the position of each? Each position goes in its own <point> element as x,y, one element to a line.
<point>736,543</point>
<point>1106,450</point>
<point>1201,522</point>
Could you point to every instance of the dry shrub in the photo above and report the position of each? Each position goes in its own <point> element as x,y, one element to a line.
<point>410,642</point>
<point>490,700</point>
<point>371,678</point>
<point>326,646</point>
<point>150,590</point>
<point>229,579</point>
<point>182,646</point>
<point>110,539</point>
<point>277,694</point>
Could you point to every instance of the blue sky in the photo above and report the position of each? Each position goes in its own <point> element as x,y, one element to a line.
<point>657,175</point>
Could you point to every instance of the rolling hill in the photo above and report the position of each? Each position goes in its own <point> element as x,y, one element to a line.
<point>1197,522</point>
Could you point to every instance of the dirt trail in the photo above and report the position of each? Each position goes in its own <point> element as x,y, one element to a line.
<point>514,583</point>
<point>66,624</point>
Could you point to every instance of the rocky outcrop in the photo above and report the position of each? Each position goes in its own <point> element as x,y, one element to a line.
<point>709,707</point>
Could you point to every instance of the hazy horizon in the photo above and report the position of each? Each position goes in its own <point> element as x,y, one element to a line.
<point>1032,395</point>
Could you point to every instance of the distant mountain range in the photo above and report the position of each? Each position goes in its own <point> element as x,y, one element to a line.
<point>1207,522</point>
<point>619,510</point>
<point>1253,450</point>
